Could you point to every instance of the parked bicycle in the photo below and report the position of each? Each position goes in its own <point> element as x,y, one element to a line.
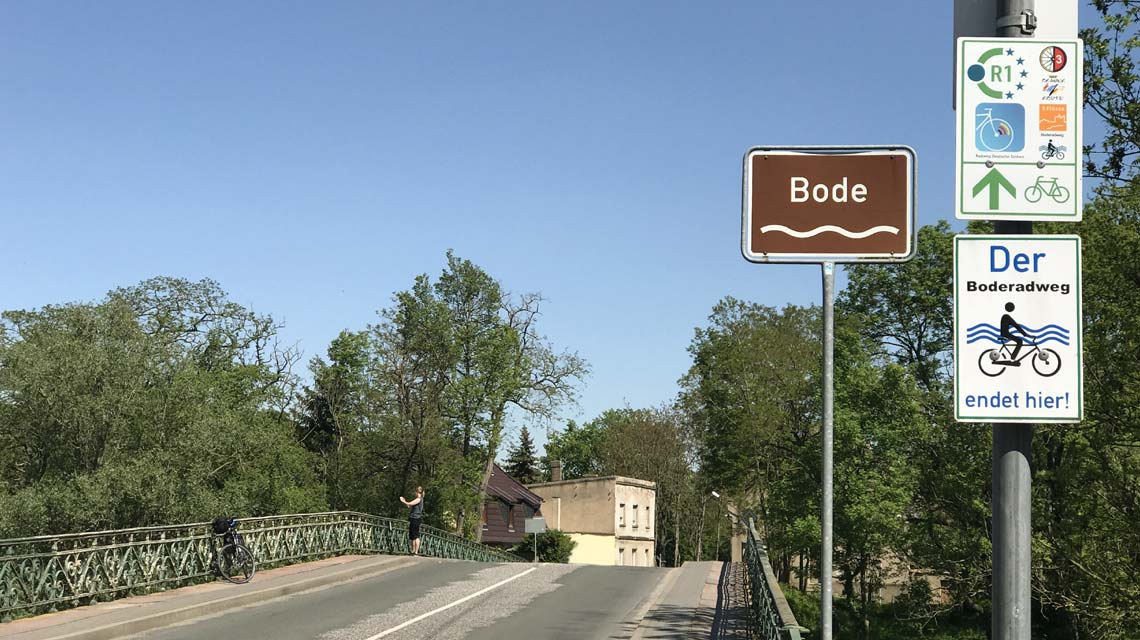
<point>234,561</point>
<point>1049,188</point>
<point>993,362</point>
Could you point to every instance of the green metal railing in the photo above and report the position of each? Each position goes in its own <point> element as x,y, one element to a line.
<point>771,617</point>
<point>48,573</point>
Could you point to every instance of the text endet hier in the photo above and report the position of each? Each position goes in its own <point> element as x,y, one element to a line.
<point>1026,399</point>
<point>1017,328</point>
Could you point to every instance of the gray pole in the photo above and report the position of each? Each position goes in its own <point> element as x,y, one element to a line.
<point>828,442</point>
<point>1011,589</point>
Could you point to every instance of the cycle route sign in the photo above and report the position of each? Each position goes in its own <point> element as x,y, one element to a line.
<point>1017,328</point>
<point>1019,129</point>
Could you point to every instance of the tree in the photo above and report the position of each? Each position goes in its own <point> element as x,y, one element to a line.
<point>654,445</point>
<point>578,448</point>
<point>1112,89</point>
<point>522,462</point>
<point>333,415</point>
<point>160,403</point>
<point>904,310</point>
<point>902,314</point>
<point>752,396</point>
<point>424,395</point>
<point>878,414</point>
<point>412,358</point>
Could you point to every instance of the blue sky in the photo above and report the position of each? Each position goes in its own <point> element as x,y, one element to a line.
<point>314,157</point>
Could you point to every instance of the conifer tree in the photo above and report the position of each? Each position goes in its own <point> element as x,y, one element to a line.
<point>522,461</point>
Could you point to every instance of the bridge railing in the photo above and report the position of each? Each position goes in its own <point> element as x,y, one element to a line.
<point>771,617</point>
<point>48,573</point>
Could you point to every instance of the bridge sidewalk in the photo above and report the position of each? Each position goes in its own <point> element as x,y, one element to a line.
<point>118,618</point>
<point>703,602</point>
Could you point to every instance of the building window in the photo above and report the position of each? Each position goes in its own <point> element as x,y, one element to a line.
<point>621,515</point>
<point>635,516</point>
<point>511,518</point>
<point>648,522</point>
<point>647,558</point>
<point>485,510</point>
<point>621,556</point>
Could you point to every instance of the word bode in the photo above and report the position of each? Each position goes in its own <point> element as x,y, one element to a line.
<point>802,189</point>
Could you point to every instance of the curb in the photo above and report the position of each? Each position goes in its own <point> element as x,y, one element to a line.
<point>645,606</point>
<point>167,618</point>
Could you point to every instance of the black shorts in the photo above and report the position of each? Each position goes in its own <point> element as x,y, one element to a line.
<point>413,528</point>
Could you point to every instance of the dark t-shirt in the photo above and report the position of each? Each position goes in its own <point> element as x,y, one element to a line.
<point>417,510</point>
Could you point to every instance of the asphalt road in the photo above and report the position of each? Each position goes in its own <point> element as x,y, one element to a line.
<point>443,600</point>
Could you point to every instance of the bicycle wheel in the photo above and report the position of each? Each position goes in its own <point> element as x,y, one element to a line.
<point>1060,155</point>
<point>1034,193</point>
<point>1046,362</point>
<point>987,364</point>
<point>997,136</point>
<point>235,563</point>
<point>1060,195</point>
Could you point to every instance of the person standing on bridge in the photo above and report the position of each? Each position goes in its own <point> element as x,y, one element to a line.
<point>414,517</point>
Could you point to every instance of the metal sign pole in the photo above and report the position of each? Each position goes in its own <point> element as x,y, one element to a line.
<point>864,198</point>
<point>1011,587</point>
<point>828,442</point>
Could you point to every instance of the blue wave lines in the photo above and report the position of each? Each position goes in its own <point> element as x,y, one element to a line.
<point>1042,335</point>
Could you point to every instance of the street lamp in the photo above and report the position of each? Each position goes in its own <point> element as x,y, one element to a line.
<point>731,515</point>
<point>730,511</point>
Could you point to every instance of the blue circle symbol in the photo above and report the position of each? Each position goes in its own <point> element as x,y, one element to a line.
<point>976,72</point>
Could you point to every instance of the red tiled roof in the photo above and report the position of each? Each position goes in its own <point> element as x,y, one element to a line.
<point>510,490</point>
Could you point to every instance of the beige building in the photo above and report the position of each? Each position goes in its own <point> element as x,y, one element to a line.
<point>611,519</point>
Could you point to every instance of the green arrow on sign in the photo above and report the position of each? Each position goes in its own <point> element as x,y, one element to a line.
<point>994,179</point>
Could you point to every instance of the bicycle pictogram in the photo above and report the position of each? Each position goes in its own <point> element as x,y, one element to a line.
<point>1051,150</point>
<point>1015,343</point>
<point>1044,187</point>
<point>993,362</point>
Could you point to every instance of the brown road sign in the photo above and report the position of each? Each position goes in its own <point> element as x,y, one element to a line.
<point>836,204</point>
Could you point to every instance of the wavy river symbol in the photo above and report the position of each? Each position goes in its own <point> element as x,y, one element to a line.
<point>768,228</point>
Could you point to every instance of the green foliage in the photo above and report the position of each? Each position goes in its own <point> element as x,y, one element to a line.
<point>885,622</point>
<point>752,397</point>
<point>1086,499</point>
<point>1112,89</point>
<point>645,444</point>
<point>903,314</point>
<point>752,391</point>
<point>904,311</point>
<point>578,448</point>
<point>522,461</point>
<point>553,546</point>
<point>156,405</point>
<point>423,396</point>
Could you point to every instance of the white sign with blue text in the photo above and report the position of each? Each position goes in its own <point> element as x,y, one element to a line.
<point>1017,329</point>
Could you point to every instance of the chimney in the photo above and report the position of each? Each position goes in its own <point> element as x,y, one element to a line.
<point>556,471</point>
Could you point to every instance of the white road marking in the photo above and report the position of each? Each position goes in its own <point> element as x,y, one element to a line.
<point>448,606</point>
